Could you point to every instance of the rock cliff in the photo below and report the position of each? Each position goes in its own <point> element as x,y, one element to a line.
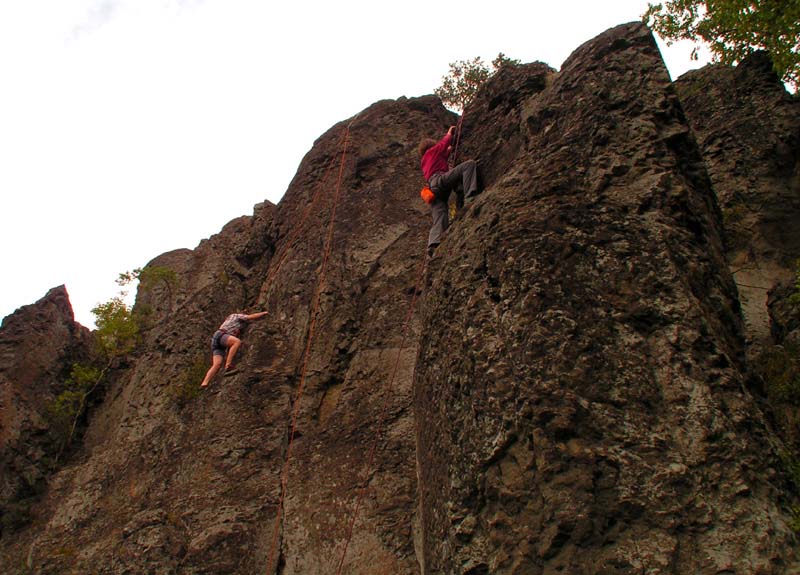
<point>568,397</point>
<point>38,345</point>
<point>589,414</point>
<point>172,481</point>
<point>748,129</point>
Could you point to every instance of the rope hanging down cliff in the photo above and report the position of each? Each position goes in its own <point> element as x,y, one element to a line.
<point>384,410</point>
<point>307,353</point>
<point>454,155</point>
<point>390,387</point>
<point>310,338</point>
<point>294,234</point>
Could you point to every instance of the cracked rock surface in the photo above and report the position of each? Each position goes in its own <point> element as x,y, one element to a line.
<point>569,396</point>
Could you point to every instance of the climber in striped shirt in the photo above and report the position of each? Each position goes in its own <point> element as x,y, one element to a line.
<point>225,343</point>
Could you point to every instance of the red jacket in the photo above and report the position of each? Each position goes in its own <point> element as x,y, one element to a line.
<point>435,159</point>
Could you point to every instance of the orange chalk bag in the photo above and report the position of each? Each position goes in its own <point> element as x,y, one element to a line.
<point>427,194</point>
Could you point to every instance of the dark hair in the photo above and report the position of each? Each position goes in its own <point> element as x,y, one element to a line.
<point>425,145</point>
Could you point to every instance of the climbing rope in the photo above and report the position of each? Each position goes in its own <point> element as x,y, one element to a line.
<point>388,391</point>
<point>294,234</point>
<point>384,410</point>
<point>307,353</point>
<point>454,155</point>
<point>279,258</point>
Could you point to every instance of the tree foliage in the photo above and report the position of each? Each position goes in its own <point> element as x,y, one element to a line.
<point>466,77</point>
<point>65,411</point>
<point>149,278</point>
<point>117,330</point>
<point>732,29</point>
<point>117,335</point>
<point>795,297</point>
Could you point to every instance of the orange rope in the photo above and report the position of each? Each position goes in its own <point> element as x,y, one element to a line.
<point>387,394</point>
<point>384,410</point>
<point>311,333</point>
<point>295,232</point>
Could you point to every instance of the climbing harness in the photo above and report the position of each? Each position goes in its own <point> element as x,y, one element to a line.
<point>426,193</point>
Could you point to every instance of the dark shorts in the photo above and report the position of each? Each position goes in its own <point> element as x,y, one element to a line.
<point>218,340</point>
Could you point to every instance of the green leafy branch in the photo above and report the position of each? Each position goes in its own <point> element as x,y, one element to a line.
<point>464,79</point>
<point>794,299</point>
<point>732,29</point>
<point>117,335</point>
<point>65,411</point>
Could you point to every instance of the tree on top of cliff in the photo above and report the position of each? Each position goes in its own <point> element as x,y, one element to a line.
<point>732,29</point>
<point>465,77</point>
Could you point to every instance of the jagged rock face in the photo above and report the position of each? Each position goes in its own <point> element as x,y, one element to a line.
<point>175,482</point>
<point>493,130</point>
<point>578,401</point>
<point>38,345</point>
<point>352,404</point>
<point>579,390</point>
<point>748,128</point>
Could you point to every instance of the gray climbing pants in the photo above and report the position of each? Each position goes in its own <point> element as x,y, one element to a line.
<point>463,179</point>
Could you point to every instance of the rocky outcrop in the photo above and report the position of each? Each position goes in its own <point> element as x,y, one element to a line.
<point>748,129</point>
<point>581,379</point>
<point>38,345</point>
<point>179,482</point>
<point>570,400</point>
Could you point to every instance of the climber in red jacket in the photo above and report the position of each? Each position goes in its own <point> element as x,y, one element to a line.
<point>225,343</point>
<point>442,180</point>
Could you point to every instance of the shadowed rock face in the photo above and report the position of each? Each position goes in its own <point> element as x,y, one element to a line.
<point>579,390</point>
<point>38,345</point>
<point>577,405</point>
<point>748,129</point>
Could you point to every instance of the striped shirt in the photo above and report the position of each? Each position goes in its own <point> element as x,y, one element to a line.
<point>234,324</point>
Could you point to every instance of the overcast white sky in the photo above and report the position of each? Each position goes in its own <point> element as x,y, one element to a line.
<point>129,128</point>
